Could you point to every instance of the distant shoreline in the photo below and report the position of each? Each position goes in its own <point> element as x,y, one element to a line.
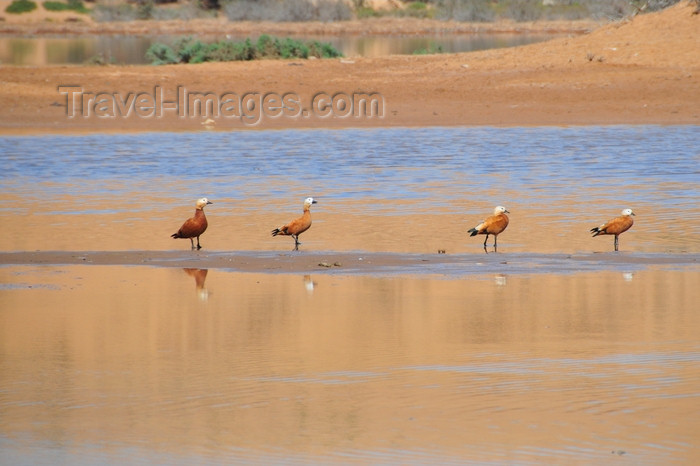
<point>221,27</point>
<point>641,71</point>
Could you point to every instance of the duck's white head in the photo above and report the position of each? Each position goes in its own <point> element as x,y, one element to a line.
<point>500,210</point>
<point>308,201</point>
<point>627,212</point>
<point>202,202</point>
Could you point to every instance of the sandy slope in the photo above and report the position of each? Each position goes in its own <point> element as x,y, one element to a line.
<point>645,70</point>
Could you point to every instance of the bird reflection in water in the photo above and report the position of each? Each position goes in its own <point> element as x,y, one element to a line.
<point>309,284</point>
<point>200,275</point>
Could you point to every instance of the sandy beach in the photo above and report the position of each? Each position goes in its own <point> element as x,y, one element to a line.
<point>640,71</point>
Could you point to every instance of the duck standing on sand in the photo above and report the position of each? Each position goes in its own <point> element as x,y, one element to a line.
<point>493,225</point>
<point>195,226</point>
<point>297,226</point>
<point>616,226</point>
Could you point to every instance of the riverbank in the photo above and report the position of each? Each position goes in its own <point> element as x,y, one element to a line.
<point>642,71</point>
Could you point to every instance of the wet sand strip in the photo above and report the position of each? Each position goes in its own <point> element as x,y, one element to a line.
<point>362,263</point>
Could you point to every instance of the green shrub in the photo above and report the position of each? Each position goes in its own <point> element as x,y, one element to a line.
<point>232,51</point>
<point>290,48</point>
<point>367,12</point>
<point>72,5</point>
<point>323,50</point>
<point>430,50</point>
<point>56,6</point>
<point>21,6</point>
<point>245,50</point>
<point>267,46</point>
<point>189,50</point>
<point>161,54</point>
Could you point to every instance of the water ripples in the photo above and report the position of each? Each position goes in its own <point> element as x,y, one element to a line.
<point>657,165</point>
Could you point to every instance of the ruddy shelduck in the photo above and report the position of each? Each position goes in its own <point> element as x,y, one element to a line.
<point>297,226</point>
<point>493,225</point>
<point>616,226</point>
<point>195,226</point>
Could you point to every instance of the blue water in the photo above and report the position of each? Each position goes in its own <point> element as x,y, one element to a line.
<point>653,165</point>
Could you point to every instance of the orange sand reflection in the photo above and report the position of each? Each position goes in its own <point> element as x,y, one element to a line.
<point>491,368</point>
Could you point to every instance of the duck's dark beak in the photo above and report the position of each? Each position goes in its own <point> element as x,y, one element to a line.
<point>209,202</point>
<point>314,201</point>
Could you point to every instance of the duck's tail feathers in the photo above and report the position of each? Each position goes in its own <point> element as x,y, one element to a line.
<point>473,232</point>
<point>175,235</point>
<point>596,231</point>
<point>276,232</point>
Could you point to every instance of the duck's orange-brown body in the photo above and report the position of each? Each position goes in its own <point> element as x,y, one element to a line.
<point>298,225</point>
<point>194,226</point>
<point>616,226</point>
<point>493,225</point>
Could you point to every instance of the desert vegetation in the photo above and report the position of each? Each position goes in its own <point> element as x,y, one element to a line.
<point>118,10</point>
<point>533,10</point>
<point>189,50</point>
<point>288,10</point>
<point>71,5</point>
<point>342,10</point>
<point>25,6</point>
<point>21,6</point>
<point>429,50</point>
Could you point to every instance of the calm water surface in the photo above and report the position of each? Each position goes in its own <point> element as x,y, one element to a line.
<point>132,50</point>
<point>402,190</point>
<point>139,365</point>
